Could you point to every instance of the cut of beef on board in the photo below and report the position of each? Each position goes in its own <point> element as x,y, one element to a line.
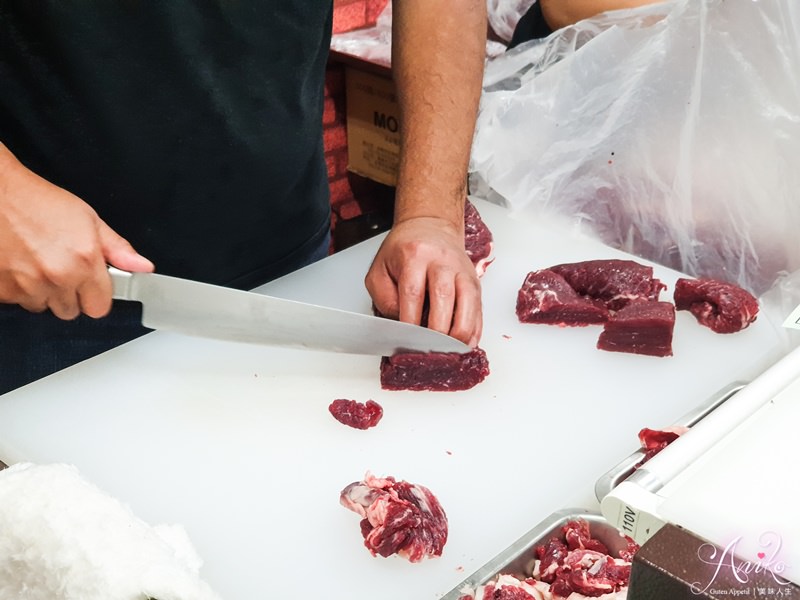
<point>546,297</point>
<point>356,414</point>
<point>640,328</point>
<point>616,282</point>
<point>720,306</point>
<point>397,517</point>
<point>478,240</point>
<point>434,371</point>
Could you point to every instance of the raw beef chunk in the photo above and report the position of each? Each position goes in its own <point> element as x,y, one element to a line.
<point>477,239</point>
<point>640,328</point>
<point>573,565</point>
<point>615,282</point>
<point>398,517</point>
<point>434,371</point>
<point>546,297</point>
<point>654,441</point>
<point>722,307</point>
<point>355,414</point>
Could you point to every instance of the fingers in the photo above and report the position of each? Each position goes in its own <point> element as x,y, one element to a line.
<point>118,252</point>
<point>382,290</point>
<point>441,298</point>
<point>411,289</point>
<point>94,294</point>
<point>73,281</point>
<point>453,297</point>
<point>421,269</point>
<point>468,317</point>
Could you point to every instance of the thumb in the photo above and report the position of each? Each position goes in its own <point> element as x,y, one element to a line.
<point>119,253</point>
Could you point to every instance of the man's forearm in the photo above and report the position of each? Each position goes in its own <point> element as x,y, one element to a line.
<point>438,53</point>
<point>560,13</point>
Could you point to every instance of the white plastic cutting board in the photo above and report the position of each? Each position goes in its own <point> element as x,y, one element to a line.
<point>235,442</point>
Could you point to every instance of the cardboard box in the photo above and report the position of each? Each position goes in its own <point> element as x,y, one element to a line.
<point>373,125</point>
<point>675,564</point>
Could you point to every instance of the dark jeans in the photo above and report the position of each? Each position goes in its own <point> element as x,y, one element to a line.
<point>35,345</point>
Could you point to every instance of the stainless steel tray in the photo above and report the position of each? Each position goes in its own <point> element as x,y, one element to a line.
<point>625,468</point>
<point>518,557</point>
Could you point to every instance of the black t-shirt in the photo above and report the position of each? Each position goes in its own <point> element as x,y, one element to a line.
<point>193,127</point>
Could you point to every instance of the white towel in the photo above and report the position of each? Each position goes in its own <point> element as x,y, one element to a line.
<point>62,538</point>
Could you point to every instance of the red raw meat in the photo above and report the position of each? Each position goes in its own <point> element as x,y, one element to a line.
<point>654,441</point>
<point>587,568</point>
<point>434,371</point>
<point>570,563</point>
<point>398,517</point>
<point>640,328</point>
<point>477,239</point>
<point>615,282</point>
<point>355,414</point>
<point>546,297</point>
<point>720,306</point>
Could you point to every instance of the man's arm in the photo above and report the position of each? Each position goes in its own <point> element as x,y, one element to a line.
<point>560,13</point>
<point>438,53</point>
<point>54,248</point>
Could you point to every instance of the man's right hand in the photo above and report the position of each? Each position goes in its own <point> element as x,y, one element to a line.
<point>54,248</point>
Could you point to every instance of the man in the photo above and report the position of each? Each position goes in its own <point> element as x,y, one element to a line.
<point>191,131</point>
<point>546,16</point>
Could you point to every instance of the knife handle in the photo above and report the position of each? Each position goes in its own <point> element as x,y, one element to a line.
<point>122,281</point>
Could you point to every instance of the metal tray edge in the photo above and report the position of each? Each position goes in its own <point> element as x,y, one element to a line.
<point>533,537</point>
<point>623,469</point>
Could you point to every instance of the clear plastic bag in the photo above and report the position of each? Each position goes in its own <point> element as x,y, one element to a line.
<point>504,15</point>
<point>670,131</point>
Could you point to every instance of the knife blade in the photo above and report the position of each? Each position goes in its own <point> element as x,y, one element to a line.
<point>205,310</point>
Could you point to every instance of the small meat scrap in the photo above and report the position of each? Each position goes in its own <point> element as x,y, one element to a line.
<point>640,328</point>
<point>356,414</point>
<point>546,297</point>
<point>654,441</point>
<point>478,241</point>
<point>397,517</point>
<point>615,282</point>
<point>571,565</point>
<point>720,306</point>
<point>434,371</point>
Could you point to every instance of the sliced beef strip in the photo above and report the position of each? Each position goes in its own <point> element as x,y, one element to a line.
<point>434,371</point>
<point>478,241</point>
<point>616,282</point>
<point>397,517</point>
<point>720,306</point>
<point>640,328</point>
<point>546,297</point>
<point>356,414</point>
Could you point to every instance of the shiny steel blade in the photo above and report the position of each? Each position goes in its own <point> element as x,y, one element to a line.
<point>211,311</point>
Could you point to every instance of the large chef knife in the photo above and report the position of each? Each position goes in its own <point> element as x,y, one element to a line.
<point>211,311</point>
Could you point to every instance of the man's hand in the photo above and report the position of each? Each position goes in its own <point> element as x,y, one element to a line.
<point>54,248</point>
<point>424,257</point>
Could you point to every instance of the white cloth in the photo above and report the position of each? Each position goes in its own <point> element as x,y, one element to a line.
<point>62,538</point>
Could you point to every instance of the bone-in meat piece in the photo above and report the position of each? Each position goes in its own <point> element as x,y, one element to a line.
<point>720,306</point>
<point>397,517</point>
